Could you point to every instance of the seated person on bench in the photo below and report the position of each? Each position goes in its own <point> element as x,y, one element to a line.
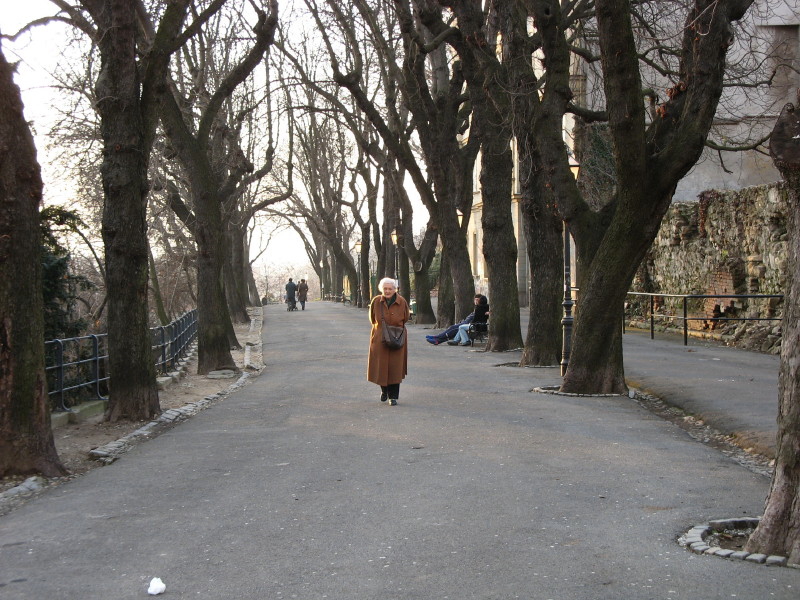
<point>480,315</point>
<point>450,332</point>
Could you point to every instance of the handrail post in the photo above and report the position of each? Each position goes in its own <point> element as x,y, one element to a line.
<point>60,374</point>
<point>652,318</point>
<point>96,365</point>
<point>181,336</point>
<point>164,369</point>
<point>175,341</point>
<point>685,322</point>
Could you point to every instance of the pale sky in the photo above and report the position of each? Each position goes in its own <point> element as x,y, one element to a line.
<point>35,53</point>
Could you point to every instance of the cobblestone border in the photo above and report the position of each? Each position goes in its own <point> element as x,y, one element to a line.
<point>553,389</point>
<point>695,541</point>
<point>516,365</point>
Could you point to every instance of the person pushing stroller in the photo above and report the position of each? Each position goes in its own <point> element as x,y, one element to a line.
<point>291,289</point>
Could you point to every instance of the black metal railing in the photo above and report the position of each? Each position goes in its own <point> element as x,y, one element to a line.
<point>78,377</point>
<point>172,341</point>
<point>77,368</point>
<point>685,318</point>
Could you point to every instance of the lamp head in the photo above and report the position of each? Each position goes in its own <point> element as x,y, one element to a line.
<point>574,166</point>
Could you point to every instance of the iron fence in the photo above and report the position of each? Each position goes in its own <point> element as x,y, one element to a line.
<point>77,368</point>
<point>685,318</point>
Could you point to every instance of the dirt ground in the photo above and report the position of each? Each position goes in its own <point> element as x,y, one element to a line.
<point>75,440</point>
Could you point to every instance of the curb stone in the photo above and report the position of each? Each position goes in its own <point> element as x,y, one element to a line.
<point>696,541</point>
<point>30,485</point>
<point>165,381</point>
<point>553,389</point>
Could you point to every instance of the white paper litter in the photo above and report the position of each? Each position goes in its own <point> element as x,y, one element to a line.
<point>156,586</point>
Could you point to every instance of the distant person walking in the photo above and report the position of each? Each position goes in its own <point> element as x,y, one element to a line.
<point>291,288</point>
<point>302,293</point>
<point>387,367</point>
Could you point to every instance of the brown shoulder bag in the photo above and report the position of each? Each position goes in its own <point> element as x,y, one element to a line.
<point>394,337</point>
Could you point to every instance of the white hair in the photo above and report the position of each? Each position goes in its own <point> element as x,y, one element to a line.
<point>386,280</point>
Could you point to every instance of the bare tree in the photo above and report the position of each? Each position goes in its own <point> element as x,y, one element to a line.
<point>651,155</point>
<point>778,532</point>
<point>215,170</point>
<point>364,159</point>
<point>412,78</point>
<point>126,103</point>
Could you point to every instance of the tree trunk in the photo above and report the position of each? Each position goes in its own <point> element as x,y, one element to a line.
<point>423,257</point>
<point>214,324</point>
<point>499,245</point>
<point>365,292</point>
<point>543,231</point>
<point>163,318</point>
<point>605,272</point>
<point>403,274</point>
<point>779,529</point>
<point>133,391</point>
<point>26,439</point>
<point>235,279</point>
<point>541,223</point>
<point>422,289</point>
<point>252,295</point>
<point>462,286</point>
<point>445,307</point>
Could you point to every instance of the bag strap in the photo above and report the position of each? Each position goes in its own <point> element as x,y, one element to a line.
<point>383,316</point>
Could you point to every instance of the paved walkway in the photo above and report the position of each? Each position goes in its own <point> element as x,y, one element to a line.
<point>303,485</point>
<point>732,390</point>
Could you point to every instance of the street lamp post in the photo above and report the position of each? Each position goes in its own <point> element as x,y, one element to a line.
<point>567,320</point>
<point>358,273</point>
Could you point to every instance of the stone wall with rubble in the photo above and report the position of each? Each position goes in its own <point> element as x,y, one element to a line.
<point>729,242</point>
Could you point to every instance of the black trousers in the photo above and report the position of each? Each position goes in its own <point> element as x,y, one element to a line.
<point>392,390</point>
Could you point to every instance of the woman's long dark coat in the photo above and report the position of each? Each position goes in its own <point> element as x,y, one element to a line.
<point>385,366</point>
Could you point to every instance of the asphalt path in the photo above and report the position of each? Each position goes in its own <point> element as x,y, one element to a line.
<point>731,390</point>
<point>302,484</point>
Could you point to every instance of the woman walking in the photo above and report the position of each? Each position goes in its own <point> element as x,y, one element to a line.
<point>387,367</point>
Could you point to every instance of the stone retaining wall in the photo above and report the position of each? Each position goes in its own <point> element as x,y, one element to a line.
<point>729,242</point>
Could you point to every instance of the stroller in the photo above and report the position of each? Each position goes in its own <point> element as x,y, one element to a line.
<point>291,303</point>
